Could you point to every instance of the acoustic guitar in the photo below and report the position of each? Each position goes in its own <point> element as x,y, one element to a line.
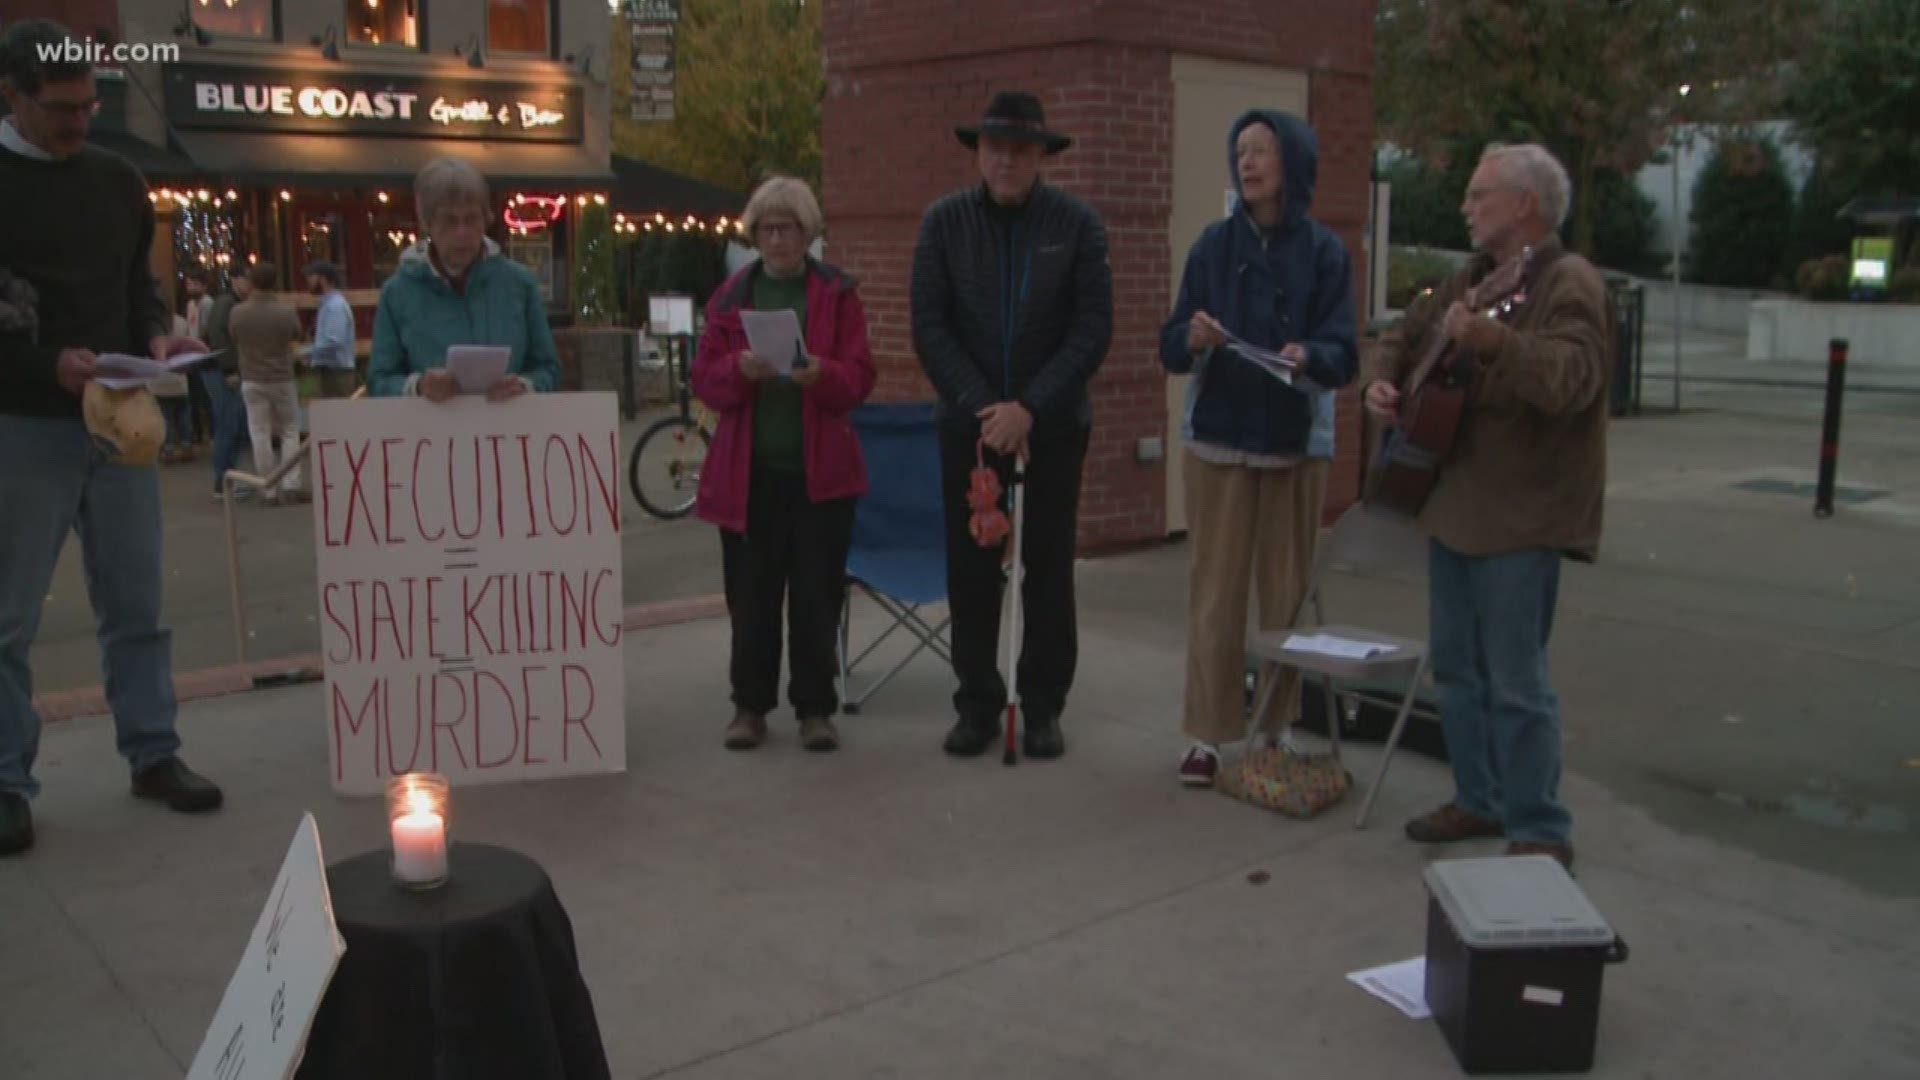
<point>1433,399</point>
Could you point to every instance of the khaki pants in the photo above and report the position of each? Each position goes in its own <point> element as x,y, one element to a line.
<point>1244,523</point>
<point>273,410</point>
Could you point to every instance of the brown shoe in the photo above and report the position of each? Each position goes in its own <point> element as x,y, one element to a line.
<point>817,733</point>
<point>1562,852</point>
<point>1449,824</point>
<point>748,730</point>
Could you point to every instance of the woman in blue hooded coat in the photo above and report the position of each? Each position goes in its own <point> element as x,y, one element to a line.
<point>1257,446</point>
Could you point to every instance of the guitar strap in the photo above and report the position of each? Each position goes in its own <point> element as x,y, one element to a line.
<point>1535,268</point>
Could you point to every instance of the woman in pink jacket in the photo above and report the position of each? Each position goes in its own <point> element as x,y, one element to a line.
<point>785,468</point>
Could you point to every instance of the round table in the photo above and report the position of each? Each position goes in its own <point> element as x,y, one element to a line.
<point>474,980</point>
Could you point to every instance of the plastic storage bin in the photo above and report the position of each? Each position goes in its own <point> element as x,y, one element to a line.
<point>1514,956</point>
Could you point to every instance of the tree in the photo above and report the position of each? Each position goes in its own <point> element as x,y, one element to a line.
<point>749,80</point>
<point>1742,213</point>
<point>1857,97</point>
<point>1426,209</point>
<point>1817,227</point>
<point>1596,81</point>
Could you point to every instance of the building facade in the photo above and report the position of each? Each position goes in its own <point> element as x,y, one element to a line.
<point>290,131</point>
<point>1147,90</point>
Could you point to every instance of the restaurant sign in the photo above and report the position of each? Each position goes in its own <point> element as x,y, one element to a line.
<point>226,97</point>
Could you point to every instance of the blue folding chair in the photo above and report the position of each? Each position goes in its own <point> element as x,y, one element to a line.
<point>899,552</point>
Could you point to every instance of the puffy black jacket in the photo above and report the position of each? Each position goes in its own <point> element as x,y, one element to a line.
<point>1012,307</point>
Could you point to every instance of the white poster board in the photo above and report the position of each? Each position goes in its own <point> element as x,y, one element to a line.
<point>260,1029</point>
<point>470,597</point>
<point>668,315</point>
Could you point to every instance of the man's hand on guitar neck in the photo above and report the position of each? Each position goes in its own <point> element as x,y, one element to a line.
<point>1383,401</point>
<point>1476,333</point>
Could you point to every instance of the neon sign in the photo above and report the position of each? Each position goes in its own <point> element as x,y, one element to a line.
<point>531,213</point>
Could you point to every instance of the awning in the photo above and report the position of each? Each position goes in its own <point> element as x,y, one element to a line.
<point>155,163</point>
<point>368,162</point>
<point>640,188</point>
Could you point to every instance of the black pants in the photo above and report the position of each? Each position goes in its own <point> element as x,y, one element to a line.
<point>794,551</point>
<point>1050,645</point>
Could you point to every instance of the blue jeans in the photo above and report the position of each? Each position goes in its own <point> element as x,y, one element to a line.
<point>229,422</point>
<point>53,482</point>
<point>178,412</point>
<point>1491,617</point>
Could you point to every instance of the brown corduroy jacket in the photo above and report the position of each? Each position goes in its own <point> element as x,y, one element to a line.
<point>1529,469</point>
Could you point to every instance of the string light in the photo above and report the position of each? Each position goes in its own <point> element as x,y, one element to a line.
<point>285,195</point>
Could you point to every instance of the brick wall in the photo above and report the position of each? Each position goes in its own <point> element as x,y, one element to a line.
<point>902,73</point>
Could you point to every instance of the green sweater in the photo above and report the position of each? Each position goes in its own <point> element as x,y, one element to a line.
<point>778,435</point>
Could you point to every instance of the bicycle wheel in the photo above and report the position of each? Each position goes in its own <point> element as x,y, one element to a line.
<point>664,471</point>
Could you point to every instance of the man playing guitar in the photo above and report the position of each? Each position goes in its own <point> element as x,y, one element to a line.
<point>1521,487</point>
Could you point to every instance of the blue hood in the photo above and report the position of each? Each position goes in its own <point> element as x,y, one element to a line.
<point>1292,284</point>
<point>1299,161</point>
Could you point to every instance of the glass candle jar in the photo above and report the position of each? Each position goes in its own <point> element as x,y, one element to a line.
<point>417,818</point>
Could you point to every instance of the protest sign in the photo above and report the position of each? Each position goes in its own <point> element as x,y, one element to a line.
<point>470,596</point>
<point>261,1027</point>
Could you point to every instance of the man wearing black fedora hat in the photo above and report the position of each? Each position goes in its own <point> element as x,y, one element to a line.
<point>1012,313</point>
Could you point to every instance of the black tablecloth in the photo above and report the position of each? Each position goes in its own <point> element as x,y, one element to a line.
<point>474,980</point>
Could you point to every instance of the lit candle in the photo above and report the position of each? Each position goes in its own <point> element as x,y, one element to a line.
<point>419,841</point>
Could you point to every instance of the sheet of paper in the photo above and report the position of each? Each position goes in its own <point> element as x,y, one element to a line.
<point>774,337</point>
<point>1335,645</point>
<point>1402,985</point>
<point>124,371</point>
<point>477,367</point>
<point>1267,360</point>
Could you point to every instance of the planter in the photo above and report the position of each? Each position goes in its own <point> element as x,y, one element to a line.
<point>1801,330</point>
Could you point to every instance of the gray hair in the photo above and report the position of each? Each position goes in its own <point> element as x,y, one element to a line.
<point>1532,168</point>
<point>784,195</point>
<point>448,181</point>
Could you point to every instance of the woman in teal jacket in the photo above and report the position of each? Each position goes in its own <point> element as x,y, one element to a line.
<point>457,289</point>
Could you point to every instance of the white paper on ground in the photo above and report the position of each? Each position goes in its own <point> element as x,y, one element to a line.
<point>1336,646</point>
<point>774,337</point>
<point>1402,985</point>
<point>477,367</point>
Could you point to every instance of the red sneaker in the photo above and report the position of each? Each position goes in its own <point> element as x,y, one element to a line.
<point>1200,766</point>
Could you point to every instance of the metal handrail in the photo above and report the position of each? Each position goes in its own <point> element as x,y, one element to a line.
<point>230,484</point>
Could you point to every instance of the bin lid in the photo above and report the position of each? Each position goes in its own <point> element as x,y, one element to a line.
<point>1527,901</point>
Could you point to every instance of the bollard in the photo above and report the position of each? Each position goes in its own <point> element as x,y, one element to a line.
<point>1830,428</point>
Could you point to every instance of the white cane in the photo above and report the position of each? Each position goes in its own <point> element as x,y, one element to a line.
<point>1007,756</point>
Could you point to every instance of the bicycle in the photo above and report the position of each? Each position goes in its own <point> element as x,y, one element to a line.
<point>663,471</point>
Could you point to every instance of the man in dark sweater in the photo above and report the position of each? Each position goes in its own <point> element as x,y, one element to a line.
<point>81,247</point>
<point>1012,313</point>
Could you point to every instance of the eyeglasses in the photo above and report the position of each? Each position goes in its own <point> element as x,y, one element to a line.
<point>774,230</point>
<point>78,110</point>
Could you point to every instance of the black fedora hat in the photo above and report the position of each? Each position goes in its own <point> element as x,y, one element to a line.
<point>1014,114</point>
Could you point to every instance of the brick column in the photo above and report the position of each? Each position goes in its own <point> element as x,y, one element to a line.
<point>902,73</point>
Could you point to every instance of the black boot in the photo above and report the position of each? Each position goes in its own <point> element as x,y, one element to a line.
<point>971,738</point>
<point>16,824</point>
<point>171,782</point>
<point>1042,739</point>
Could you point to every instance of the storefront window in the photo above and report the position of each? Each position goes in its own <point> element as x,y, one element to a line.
<point>233,18</point>
<point>535,252</point>
<point>392,235</point>
<point>520,26</point>
<point>382,22</point>
<point>322,238</point>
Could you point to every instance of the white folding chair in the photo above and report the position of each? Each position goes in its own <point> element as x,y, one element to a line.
<point>1359,540</point>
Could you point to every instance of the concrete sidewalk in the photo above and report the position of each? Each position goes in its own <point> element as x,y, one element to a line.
<point>888,912</point>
